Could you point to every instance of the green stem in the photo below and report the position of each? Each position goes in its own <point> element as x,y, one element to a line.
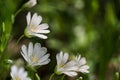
<point>18,12</point>
<point>30,68</point>
<point>62,77</point>
<point>38,78</point>
<point>32,72</point>
<point>19,39</point>
<point>52,76</point>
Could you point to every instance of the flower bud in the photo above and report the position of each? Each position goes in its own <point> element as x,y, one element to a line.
<point>30,3</point>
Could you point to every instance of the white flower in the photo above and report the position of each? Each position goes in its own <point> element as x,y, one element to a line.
<point>35,55</point>
<point>30,3</point>
<point>18,73</point>
<point>81,63</point>
<point>34,28</point>
<point>63,66</point>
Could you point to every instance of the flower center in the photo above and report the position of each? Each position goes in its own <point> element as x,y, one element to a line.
<point>16,78</point>
<point>35,59</point>
<point>32,28</point>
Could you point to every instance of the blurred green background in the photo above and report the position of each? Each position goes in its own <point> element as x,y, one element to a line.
<point>87,27</point>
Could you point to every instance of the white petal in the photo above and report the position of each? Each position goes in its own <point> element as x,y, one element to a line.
<point>42,52</point>
<point>41,31</point>
<point>72,74</point>
<point>59,58</point>
<point>84,69</point>
<point>24,53</point>
<point>70,63</point>
<point>44,58</point>
<point>37,46</point>
<point>25,74</point>
<point>43,26</point>
<point>37,49</point>
<point>30,49</point>
<point>71,68</point>
<point>45,62</point>
<point>36,20</point>
<point>34,17</point>
<point>24,49</point>
<point>65,58</point>
<point>13,70</point>
<point>82,61</point>
<point>25,57</point>
<point>28,17</point>
<point>21,71</point>
<point>41,36</point>
<point>78,58</point>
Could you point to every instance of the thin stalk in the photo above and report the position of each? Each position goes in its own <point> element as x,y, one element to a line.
<point>19,39</point>
<point>18,12</point>
<point>51,76</point>
<point>38,78</point>
<point>62,77</point>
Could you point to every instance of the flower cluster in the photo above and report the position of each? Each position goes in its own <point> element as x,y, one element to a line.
<point>36,55</point>
<point>71,67</point>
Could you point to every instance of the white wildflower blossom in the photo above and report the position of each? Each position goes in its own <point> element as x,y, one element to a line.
<point>65,66</point>
<point>34,28</point>
<point>30,3</point>
<point>81,63</point>
<point>18,73</point>
<point>35,55</point>
<point>70,67</point>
